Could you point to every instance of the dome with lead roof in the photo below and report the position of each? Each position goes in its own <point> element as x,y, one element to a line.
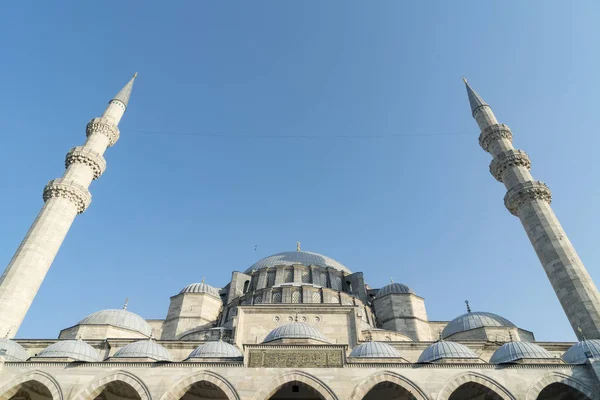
<point>216,349</point>
<point>119,318</point>
<point>394,288</point>
<point>473,320</point>
<point>374,350</point>
<point>295,330</point>
<point>580,352</point>
<point>445,349</point>
<point>201,288</point>
<point>12,351</point>
<point>515,351</point>
<point>77,350</point>
<point>144,349</point>
<point>297,257</point>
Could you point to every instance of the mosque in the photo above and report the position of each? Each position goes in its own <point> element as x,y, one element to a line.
<point>297,324</point>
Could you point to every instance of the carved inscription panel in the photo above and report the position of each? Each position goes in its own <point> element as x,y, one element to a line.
<point>295,358</point>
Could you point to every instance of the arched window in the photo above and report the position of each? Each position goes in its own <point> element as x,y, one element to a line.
<point>296,297</point>
<point>258,299</point>
<point>306,276</point>
<point>316,297</point>
<point>246,284</point>
<point>288,275</point>
<point>270,278</point>
<point>276,297</point>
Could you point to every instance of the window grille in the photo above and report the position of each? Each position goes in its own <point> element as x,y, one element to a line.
<point>306,276</point>
<point>316,297</point>
<point>276,298</point>
<point>335,300</point>
<point>270,278</point>
<point>296,297</point>
<point>288,275</point>
<point>257,299</point>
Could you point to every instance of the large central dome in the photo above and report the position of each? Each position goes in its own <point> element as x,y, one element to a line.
<point>297,257</point>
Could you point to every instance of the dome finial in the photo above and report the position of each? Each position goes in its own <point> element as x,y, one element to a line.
<point>203,278</point>
<point>152,335</point>
<point>125,305</point>
<point>581,333</point>
<point>391,280</point>
<point>440,339</point>
<point>510,337</point>
<point>297,246</point>
<point>468,307</point>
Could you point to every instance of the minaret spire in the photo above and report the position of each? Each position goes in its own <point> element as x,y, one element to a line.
<point>530,200</point>
<point>64,199</point>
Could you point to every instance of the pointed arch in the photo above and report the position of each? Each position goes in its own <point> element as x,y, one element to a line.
<point>295,376</point>
<point>361,390</point>
<point>177,391</point>
<point>9,389</point>
<point>482,380</point>
<point>93,389</point>
<point>536,388</point>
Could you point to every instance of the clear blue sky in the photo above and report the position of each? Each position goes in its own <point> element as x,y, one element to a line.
<point>286,118</point>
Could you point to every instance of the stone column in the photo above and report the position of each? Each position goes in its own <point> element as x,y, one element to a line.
<point>64,199</point>
<point>530,200</point>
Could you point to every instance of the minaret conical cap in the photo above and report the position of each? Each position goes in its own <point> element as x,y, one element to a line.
<point>475,99</point>
<point>125,93</point>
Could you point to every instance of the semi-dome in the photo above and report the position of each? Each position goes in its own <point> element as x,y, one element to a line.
<point>12,351</point>
<point>295,330</point>
<point>580,352</point>
<point>514,351</point>
<point>120,318</point>
<point>374,349</point>
<point>144,349</point>
<point>297,257</point>
<point>76,349</point>
<point>445,349</point>
<point>473,320</point>
<point>216,349</point>
<point>201,288</point>
<point>394,288</point>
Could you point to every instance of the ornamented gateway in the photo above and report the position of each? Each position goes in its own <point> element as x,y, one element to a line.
<point>297,325</point>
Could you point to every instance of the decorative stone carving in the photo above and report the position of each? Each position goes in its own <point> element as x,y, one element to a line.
<point>526,192</point>
<point>506,159</point>
<point>295,358</point>
<point>88,157</point>
<point>70,190</point>
<point>104,127</point>
<point>494,132</point>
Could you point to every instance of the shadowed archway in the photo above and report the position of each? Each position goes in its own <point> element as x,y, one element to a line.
<point>474,391</point>
<point>560,391</point>
<point>297,391</point>
<point>202,385</point>
<point>32,385</point>
<point>479,387</point>
<point>287,384</point>
<point>116,385</point>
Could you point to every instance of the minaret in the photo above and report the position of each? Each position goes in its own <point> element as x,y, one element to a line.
<point>64,198</point>
<point>530,200</point>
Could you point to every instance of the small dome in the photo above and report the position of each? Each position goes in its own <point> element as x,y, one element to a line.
<point>297,257</point>
<point>215,350</point>
<point>121,318</point>
<point>76,349</point>
<point>144,349</point>
<point>445,349</point>
<point>514,351</point>
<point>580,352</point>
<point>295,330</point>
<point>476,319</point>
<point>12,351</point>
<point>374,349</point>
<point>201,288</point>
<point>394,288</point>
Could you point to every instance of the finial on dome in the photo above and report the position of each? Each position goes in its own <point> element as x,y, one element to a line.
<point>369,336</point>
<point>468,307</point>
<point>510,336</point>
<point>203,278</point>
<point>125,305</point>
<point>391,280</point>
<point>220,334</point>
<point>440,339</point>
<point>152,335</point>
<point>581,333</point>
<point>297,246</point>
